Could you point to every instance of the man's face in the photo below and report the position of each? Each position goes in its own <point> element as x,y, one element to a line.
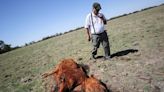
<point>96,11</point>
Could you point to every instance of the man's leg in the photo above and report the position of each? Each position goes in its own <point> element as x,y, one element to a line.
<point>105,44</point>
<point>96,44</point>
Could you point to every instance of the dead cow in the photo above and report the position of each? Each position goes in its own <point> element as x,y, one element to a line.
<point>92,84</point>
<point>64,64</point>
<point>71,78</point>
<point>68,74</point>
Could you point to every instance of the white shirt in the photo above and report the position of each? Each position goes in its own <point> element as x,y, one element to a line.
<point>97,22</point>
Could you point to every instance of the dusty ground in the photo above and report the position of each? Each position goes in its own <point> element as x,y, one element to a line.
<point>137,47</point>
<point>139,68</point>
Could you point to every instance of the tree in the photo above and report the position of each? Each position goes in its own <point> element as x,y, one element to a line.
<point>4,47</point>
<point>1,45</point>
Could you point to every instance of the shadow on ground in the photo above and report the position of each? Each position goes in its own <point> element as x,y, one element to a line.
<point>124,52</point>
<point>120,53</point>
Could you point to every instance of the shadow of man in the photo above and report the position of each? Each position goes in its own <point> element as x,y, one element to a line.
<point>120,53</point>
<point>124,52</point>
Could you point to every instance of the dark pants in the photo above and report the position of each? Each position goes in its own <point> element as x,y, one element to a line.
<point>103,39</point>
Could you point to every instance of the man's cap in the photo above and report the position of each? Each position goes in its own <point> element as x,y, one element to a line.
<point>97,6</point>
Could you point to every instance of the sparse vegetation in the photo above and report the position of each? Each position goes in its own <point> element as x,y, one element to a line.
<point>133,12</point>
<point>140,71</point>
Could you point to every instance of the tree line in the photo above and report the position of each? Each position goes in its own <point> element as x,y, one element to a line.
<point>6,47</point>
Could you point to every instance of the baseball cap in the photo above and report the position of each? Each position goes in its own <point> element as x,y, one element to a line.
<point>97,6</point>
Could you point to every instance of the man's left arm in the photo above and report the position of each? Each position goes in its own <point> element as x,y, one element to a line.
<point>103,18</point>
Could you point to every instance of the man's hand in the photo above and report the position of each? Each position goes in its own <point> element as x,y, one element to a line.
<point>102,18</point>
<point>89,38</point>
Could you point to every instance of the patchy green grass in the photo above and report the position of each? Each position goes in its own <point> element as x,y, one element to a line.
<point>141,71</point>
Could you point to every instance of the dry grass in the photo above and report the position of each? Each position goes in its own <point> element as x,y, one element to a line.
<point>140,71</point>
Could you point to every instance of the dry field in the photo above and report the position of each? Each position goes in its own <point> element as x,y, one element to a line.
<point>137,47</point>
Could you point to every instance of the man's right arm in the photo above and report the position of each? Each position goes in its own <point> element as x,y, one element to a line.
<point>87,26</point>
<point>88,34</point>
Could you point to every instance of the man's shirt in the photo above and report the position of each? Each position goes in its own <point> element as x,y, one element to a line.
<point>94,23</point>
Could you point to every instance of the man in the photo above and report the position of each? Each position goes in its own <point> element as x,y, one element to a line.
<point>94,25</point>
